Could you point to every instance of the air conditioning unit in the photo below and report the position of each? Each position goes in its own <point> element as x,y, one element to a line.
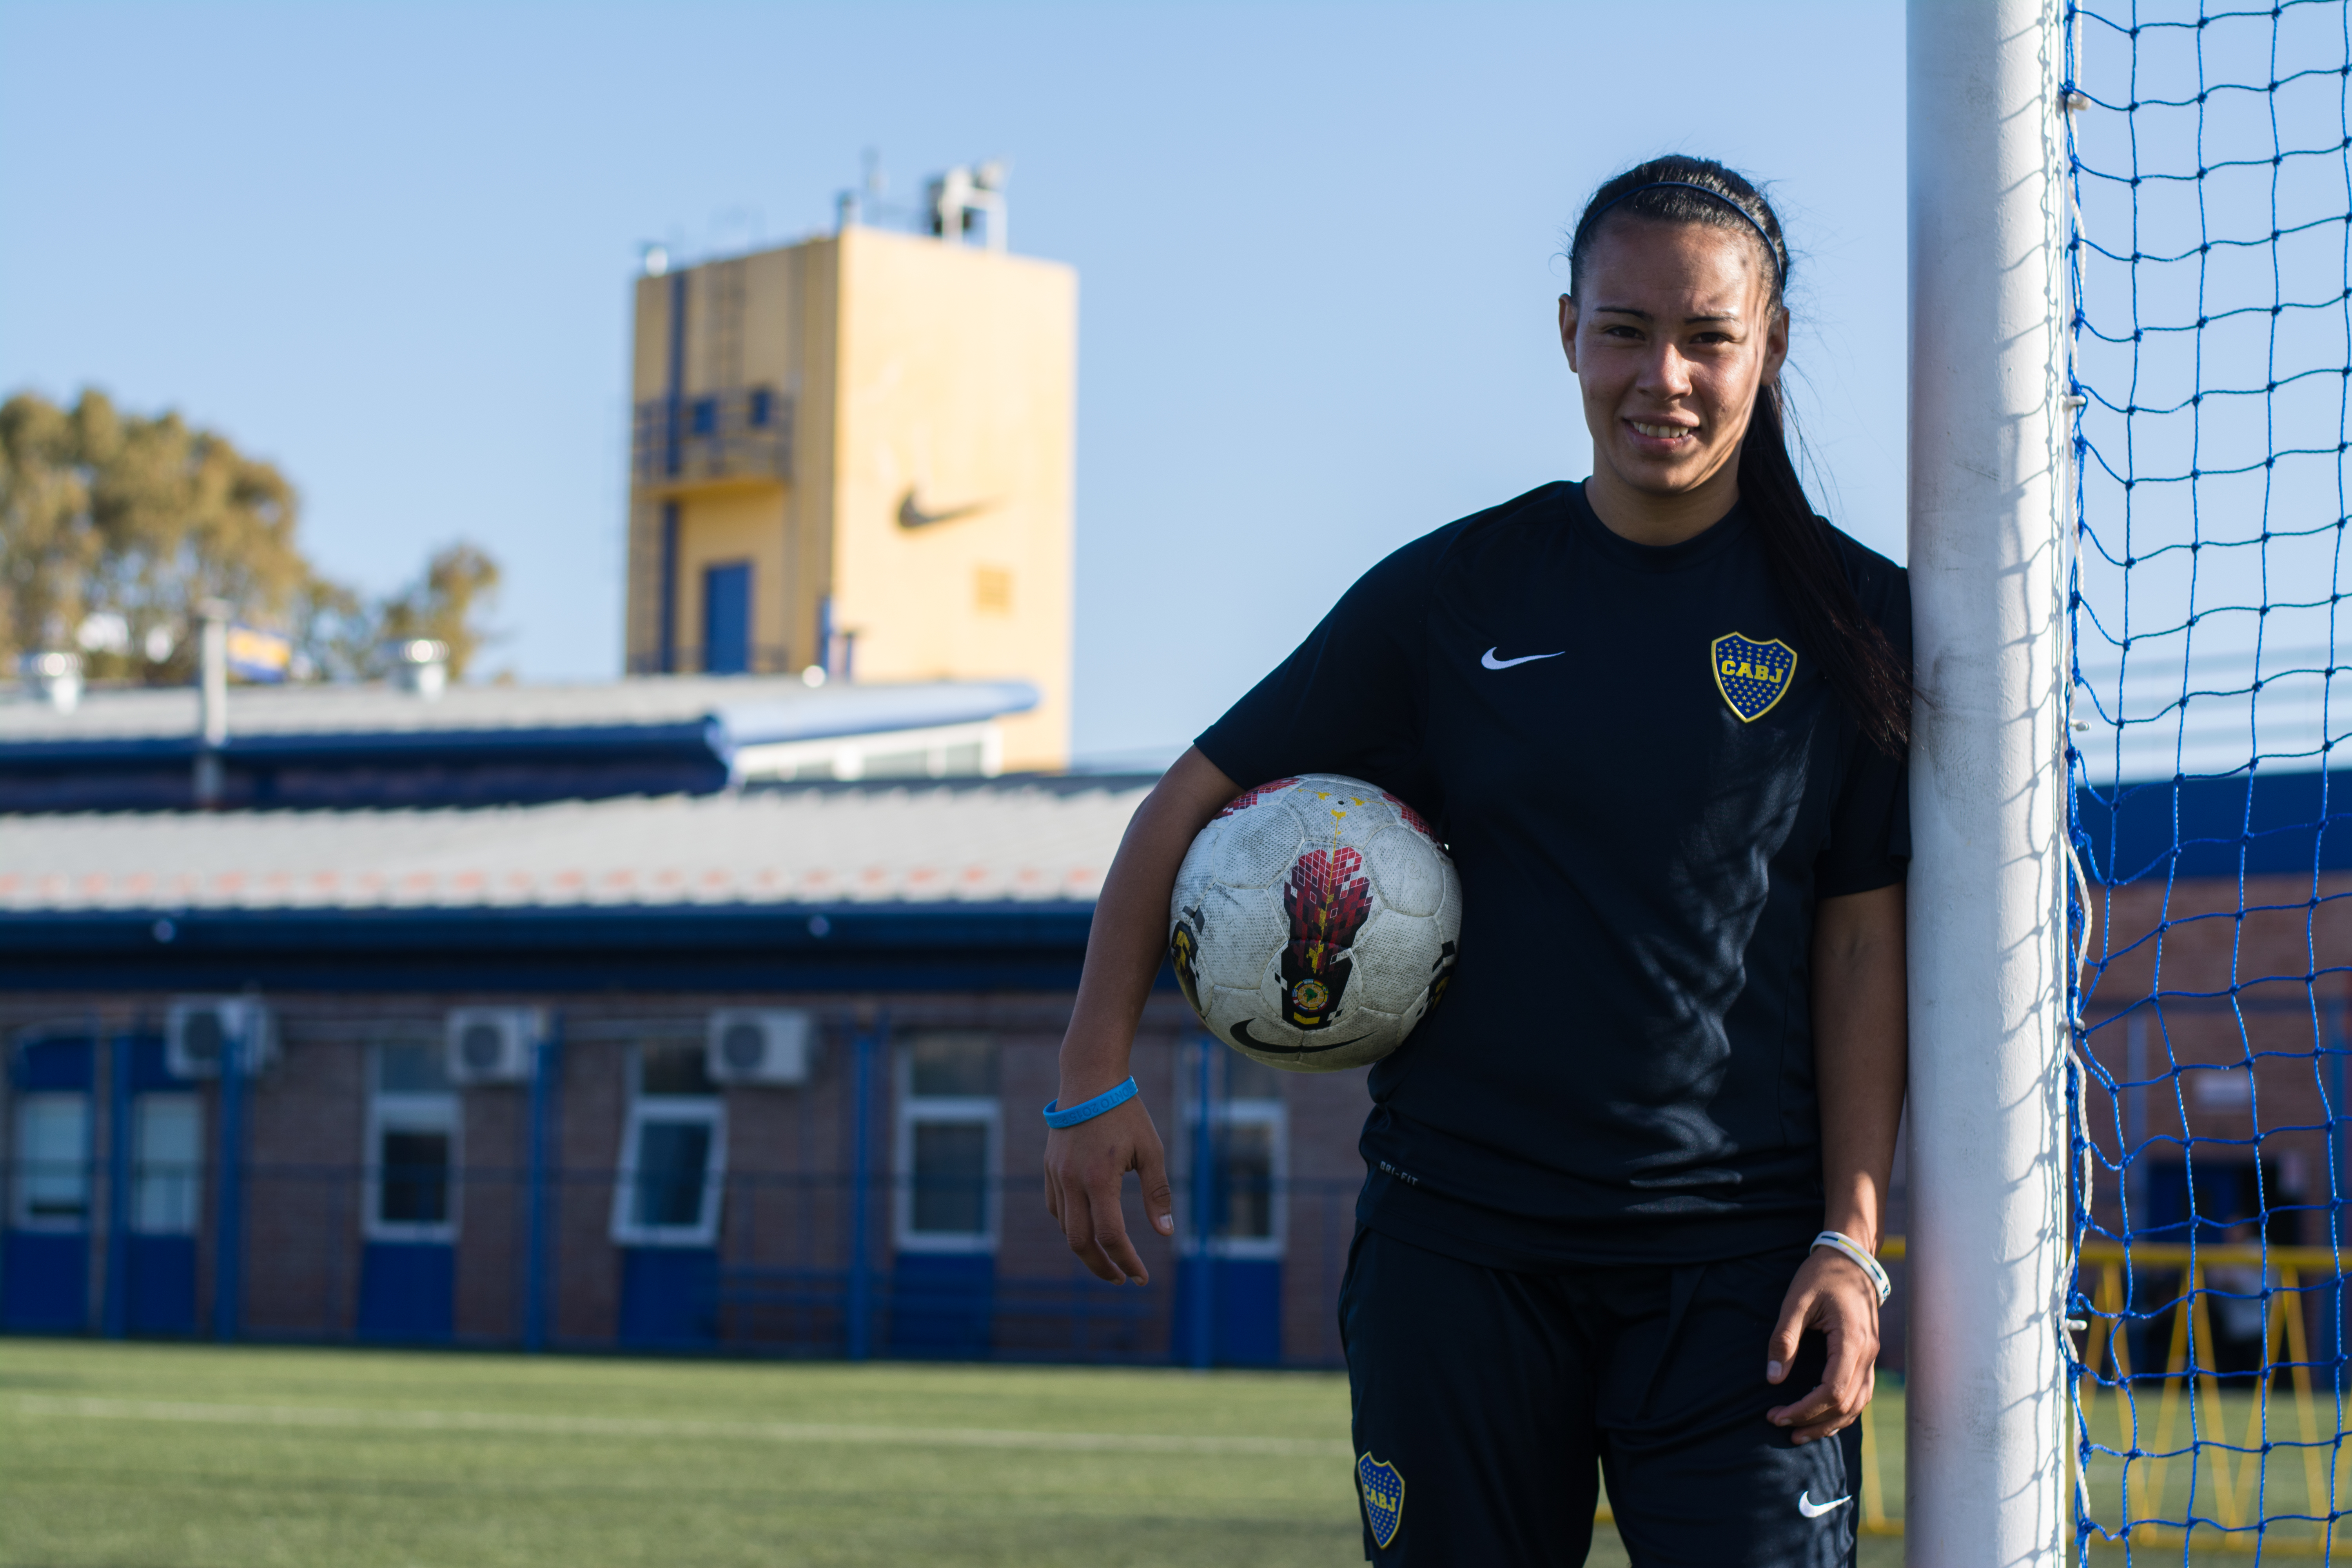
<point>202,1032</point>
<point>495,1045</point>
<point>760,1045</point>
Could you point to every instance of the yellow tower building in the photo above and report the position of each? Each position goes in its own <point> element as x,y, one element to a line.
<point>854,455</point>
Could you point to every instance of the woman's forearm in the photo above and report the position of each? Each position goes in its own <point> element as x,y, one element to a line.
<point>1858,1053</point>
<point>1129,934</point>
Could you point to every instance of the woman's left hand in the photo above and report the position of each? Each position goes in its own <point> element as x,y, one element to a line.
<point>1831,1296</point>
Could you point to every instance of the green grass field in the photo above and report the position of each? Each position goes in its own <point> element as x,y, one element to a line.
<point>2232,1481</point>
<point>198,1456</point>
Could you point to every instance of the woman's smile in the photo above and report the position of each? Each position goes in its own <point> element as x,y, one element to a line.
<point>1663,432</point>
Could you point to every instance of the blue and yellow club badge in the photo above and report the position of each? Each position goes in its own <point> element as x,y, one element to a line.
<point>1383,1491</point>
<point>1751,675</point>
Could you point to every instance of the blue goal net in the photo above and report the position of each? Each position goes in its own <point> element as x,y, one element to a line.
<point>2210,243</point>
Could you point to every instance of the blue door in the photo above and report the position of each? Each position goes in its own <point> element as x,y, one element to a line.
<point>159,1175</point>
<point>44,1252</point>
<point>408,1269</point>
<point>1244,1152</point>
<point>726,619</point>
<point>943,1304</point>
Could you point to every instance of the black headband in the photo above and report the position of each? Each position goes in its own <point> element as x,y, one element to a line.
<point>1779,266</point>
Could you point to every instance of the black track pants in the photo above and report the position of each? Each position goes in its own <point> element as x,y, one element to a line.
<point>1484,1401</point>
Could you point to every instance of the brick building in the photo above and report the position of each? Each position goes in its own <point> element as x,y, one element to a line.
<point>756,1071</point>
<point>2212,1099</point>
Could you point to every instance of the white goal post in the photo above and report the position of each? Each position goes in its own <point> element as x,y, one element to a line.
<point>1988,1227</point>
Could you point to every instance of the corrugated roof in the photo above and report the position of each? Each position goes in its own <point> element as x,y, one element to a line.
<point>751,707</point>
<point>944,843</point>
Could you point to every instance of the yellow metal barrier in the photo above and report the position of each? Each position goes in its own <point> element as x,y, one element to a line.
<point>2239,1485</point>
<point>2236,1489</point>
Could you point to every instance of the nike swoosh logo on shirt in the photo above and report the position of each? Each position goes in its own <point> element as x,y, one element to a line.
<point>1491,662</point>
<point>1811,1510</point>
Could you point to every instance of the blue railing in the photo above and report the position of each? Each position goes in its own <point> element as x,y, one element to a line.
<point>738,433</point>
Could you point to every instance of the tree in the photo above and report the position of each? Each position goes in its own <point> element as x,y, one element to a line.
<point>136,519</point>
<point>48,540</point>
<point>114,527</point>
<point>345,639</point>
<point>334,633</point>
<point>458,582</point>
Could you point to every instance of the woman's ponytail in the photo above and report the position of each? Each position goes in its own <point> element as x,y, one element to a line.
<point>1862,666</point>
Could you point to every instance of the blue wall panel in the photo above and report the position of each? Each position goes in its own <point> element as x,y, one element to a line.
<point>44,1282</point>
<point>163,1293</point>
<point>408,1292</point>
<point>47,1066</point>
<point>669,1296</point>
<point>1244,1311</point>
<point>2270,823</point>
<point>942,1303</point>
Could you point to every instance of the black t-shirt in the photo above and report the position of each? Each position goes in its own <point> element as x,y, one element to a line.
<point>1645,798</point>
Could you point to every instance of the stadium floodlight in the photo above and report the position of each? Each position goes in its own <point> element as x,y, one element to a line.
<point>1988,878</point>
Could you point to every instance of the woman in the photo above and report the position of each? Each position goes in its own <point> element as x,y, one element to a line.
<point>1624,1183</point>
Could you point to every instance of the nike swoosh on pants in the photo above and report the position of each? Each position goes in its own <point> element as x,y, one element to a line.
<point>1811,1510</point>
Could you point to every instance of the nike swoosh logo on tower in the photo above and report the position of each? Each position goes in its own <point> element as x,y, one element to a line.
<point>1811,1510</point>
<point>912,515</point>
<point>1491,662</point>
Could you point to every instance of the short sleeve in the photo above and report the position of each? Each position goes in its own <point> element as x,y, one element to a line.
<point>1870,828</point>
<point>1348,701</point>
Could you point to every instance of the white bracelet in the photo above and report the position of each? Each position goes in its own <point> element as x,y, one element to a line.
<point>1839,1242</point>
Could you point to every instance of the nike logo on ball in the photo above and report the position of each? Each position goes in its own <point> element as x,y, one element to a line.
<point>1491,662</point>
<point>1811,1510</point>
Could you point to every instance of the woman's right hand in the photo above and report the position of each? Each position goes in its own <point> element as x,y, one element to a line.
<point>1086,1166</point>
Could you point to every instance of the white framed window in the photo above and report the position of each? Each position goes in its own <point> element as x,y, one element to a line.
<point>167,1163</point>
<point>673,1151</point>
<point>950,1143</point>
<point>414,1123</point>
<point>50,1185</point>
<point>1249,1138</point>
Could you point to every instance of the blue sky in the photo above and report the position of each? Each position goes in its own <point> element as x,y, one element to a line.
<point>388,247</point>
<point>2213,282</point>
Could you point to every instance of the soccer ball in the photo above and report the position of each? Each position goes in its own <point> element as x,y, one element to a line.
<point>1314,921</point>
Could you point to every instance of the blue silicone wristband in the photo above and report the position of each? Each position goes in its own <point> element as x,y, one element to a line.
<point>1086,1111</point>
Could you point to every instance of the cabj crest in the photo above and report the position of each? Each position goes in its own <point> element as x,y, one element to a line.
<point>1751,675</point>
<point>1383,1491</point>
